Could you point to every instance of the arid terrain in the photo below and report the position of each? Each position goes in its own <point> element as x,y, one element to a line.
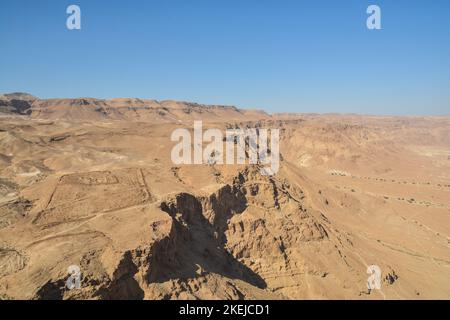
<point>90,182</point>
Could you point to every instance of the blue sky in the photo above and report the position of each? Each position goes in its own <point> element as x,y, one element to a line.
<point>292,56</point>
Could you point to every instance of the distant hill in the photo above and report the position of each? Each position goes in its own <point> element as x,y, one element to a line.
<point>16,103</point>
<point>84,109</point>
<point>18,96</point>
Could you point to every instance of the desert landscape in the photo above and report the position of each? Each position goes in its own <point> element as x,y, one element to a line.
<point>90,182</point>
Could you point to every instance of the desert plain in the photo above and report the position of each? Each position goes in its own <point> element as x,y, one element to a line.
<point>90,182</point>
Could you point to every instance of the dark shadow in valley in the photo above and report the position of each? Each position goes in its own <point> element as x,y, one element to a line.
<point>196,246</point>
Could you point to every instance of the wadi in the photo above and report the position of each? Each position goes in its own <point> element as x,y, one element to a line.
<point>91,183</point>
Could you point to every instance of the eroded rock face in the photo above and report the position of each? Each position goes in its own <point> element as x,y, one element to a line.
<point>262,222</point>
<point>15,106</point>
<point>223,245</point>
<point>240,232</point>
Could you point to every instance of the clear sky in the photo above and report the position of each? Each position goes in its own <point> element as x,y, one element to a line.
<point>292,56</point>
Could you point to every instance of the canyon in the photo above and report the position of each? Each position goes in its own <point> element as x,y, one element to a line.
<point>90,182</point>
